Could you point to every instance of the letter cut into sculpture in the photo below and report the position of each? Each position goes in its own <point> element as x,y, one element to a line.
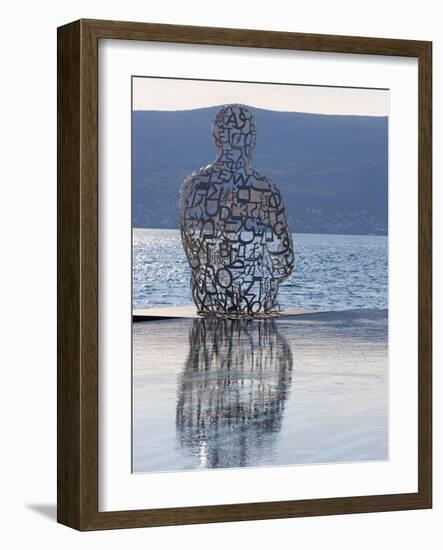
<point>233,226</point>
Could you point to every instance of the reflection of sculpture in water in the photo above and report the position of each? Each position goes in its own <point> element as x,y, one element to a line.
<point>232,392</point>
<point>233,225</point>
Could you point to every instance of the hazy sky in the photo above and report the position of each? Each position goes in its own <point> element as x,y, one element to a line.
<point>168,94</point>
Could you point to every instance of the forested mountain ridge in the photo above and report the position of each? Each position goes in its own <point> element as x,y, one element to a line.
<point>332,170</point>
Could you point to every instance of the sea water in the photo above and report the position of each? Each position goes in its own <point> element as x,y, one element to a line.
<point>331,272</point>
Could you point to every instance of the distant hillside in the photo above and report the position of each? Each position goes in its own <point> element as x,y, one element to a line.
<point>332,170</point>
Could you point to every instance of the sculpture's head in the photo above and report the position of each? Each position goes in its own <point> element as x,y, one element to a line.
<point>233,128</point>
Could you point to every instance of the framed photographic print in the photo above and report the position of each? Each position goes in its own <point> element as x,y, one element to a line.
<point>244,275</point>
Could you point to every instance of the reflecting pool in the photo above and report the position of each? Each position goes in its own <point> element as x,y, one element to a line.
<point>213,393</point>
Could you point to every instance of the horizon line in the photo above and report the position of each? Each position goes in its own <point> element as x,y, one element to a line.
<point>154,93</point>
<point>258,109</point>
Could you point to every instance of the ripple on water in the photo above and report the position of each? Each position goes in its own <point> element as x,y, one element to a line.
<point>334,272</point>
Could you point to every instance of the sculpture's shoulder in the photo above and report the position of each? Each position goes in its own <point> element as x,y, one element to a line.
<point>265,185</point>
<point>198,175</point>
<point>194,178</point>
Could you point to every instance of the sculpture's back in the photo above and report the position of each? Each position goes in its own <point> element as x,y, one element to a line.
<point>233,225</point>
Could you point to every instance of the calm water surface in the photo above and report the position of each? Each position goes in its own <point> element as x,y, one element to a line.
<point>333,272</point>
<point>228,394</point>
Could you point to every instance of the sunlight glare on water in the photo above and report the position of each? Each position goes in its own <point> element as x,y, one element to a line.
<point>332,272</point>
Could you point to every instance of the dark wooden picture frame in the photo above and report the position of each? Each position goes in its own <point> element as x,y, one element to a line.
<point>77,457</point>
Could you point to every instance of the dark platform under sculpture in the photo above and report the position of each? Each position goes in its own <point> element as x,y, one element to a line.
<point>190,312</point>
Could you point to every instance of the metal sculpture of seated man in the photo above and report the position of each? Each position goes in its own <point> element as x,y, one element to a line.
<point>233,226</point>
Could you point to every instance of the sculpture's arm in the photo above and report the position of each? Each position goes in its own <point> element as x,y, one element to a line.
<point>189,222</point>
<point>279,242</point>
